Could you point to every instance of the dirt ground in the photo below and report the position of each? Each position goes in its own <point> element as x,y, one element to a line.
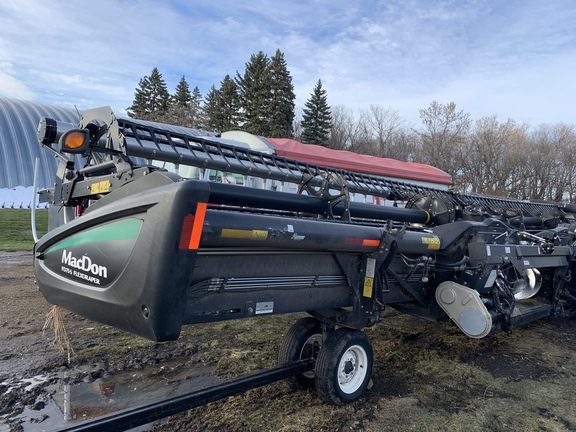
<point>427,376</point>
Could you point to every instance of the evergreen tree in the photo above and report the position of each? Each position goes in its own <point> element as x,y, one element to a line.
<point>282,103</point>
<point>139,108</point>
<point>211,109</point>
<point>317,118</point>
<point>182,97</point>
<point>254,88</point>
<point>196,109</point>
<point>151,99</point>
<point>180,112</point>
<point>229,104</point>
<point>221,106</point>
<point>159,97</point>
<point>186,108</point>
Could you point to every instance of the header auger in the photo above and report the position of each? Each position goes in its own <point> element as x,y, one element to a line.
<point>143,239</point>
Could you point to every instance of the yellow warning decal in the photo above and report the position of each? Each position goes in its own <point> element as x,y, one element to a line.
<point>245,234</point>
<point>368,286</point>
<point>432,242</point>
<point>100,187</point>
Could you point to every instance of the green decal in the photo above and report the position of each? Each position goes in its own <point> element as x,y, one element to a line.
<point>122,230</point>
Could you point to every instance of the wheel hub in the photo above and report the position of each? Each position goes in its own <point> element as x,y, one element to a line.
<point>349,366</point>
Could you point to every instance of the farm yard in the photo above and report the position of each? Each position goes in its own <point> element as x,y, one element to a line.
<point>427,376</point>
<point>406,244</point>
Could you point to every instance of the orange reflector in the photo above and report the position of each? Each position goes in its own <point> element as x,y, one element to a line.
<point>192,228</point>
<point>186,232</point>
<point>362,242</point>
<point>74,139</point>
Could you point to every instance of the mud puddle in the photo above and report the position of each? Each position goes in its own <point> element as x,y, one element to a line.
<point>59,405</point>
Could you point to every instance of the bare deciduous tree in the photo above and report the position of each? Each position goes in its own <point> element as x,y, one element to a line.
<point>343,122</point>
<point>444,133</point>
<point>348,131</point>
<point>377,131</point>
<point>494,158</point>
<point>491,156</point>
<point>382,125</point>
<point>552,160</point>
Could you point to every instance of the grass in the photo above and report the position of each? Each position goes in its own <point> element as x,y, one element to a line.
<point>16,229</point>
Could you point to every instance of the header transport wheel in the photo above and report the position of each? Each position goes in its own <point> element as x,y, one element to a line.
<point>302,341</point>
<point>344,366</point>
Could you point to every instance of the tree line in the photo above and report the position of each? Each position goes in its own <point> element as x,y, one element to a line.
<point>486,156</point>
<point>260,101</point>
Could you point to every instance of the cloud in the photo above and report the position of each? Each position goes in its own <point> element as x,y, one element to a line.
<point>403,54</point>
<point>13,88</point>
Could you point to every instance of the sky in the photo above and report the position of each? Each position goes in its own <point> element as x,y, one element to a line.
<point>514,59</point>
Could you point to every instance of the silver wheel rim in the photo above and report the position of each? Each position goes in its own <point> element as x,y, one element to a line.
<point>352,369</point>
<point>310,349</point>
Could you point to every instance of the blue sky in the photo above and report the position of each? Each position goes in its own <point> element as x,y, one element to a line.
<point>513,59</point>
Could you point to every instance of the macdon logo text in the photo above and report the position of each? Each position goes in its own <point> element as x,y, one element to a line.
<point>85,264</point>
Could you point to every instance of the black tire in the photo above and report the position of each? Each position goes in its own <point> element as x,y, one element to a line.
<point>302,341</point>
<point>344,366</point>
